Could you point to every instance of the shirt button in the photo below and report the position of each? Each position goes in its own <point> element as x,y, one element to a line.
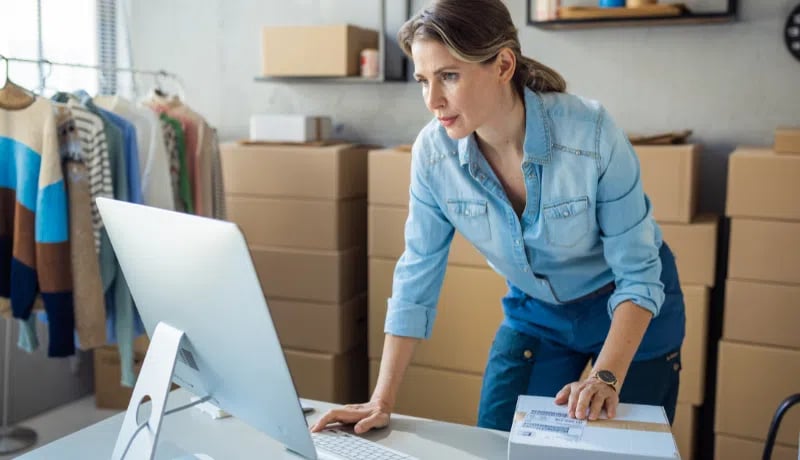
<point>525,269</point>
<point>466,213</point>
<point>527,354</point>
<point>518,242</point>
<point>566,213</point>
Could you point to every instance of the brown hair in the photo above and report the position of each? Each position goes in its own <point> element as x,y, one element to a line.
<point>476,31</point>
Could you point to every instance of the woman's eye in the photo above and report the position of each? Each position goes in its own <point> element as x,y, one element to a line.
<point>449,76</point>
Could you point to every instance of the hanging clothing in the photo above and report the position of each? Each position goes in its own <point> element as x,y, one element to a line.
<point>90,307</point>
<point>179,169</point>
<point>152,153</point>
<point>199,149</point>
<point>34,233</point>
<point>217,186</point>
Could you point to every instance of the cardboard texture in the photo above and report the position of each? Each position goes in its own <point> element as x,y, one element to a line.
<point>322,276</point>
<point>338,378</point>
<point>469,314</point>
<point>315,51</point>
<point>777,318</point>
<point>542,429</point>
<point>321,327</point>
<point>108,392</point>
<point>435,393</point>
<point>695,249</point>
<point>386,228</point>
<point>304,224</point>
<point>787,140</point>
<point>693,351</point>
<point>295,171</point>
<point>389,174</point>
<point>763,184</point>
<point>684,428</point>
<point>730,447</point>
<point>763,250</point>
<point>751,382</point>
<point>670,177</point>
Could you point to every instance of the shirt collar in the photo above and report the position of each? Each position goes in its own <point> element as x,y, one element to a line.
<point>537,143</point>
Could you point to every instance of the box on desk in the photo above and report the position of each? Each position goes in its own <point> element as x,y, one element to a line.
<point>542,429</point>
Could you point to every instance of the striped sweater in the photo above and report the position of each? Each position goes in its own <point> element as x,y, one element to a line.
<point>34,232</point>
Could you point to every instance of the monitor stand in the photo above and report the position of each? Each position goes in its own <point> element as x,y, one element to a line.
<point>154,381</point>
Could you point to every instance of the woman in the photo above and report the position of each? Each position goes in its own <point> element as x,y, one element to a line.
<point>547,188</point>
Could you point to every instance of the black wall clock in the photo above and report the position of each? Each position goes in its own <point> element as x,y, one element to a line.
<point>792,32</point>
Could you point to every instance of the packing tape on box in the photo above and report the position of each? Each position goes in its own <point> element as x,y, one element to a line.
<point>651,427</point>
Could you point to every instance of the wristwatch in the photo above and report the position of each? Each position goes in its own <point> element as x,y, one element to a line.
<point>606,377</point>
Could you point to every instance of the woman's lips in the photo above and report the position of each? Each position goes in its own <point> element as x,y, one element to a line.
<point>447,121</point>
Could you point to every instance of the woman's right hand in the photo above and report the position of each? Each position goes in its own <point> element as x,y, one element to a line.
<point>374,414</point>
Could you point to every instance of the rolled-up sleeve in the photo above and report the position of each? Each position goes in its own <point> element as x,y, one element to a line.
<point>420,270</point>
<point>630,236</point>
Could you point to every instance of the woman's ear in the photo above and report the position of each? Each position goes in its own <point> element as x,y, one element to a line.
<point>506,63</point>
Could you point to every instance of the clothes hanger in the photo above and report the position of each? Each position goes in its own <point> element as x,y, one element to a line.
<point>13,96</point>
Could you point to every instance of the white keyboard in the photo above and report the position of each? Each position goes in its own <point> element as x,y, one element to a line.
<point>339,445</point>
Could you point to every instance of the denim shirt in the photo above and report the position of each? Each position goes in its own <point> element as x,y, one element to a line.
<point>586,223</point>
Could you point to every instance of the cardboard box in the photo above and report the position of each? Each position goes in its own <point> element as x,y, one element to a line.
<point>315,51</point>
<point>386,228</point>
<point>764,250</point>
<point>695,249</point>
<point>333,378</point>
<point>321,327</point>
<point>389,177</point>
<point>763,184</point>
<point>322,276</point>
<point>684,429</point>
<point>330,172</point>
<point>108,391</point>
<point>670,176</point>
<point>542,429</point>
<point>787,140</point>
<point>435,393</point>
<point>693,351</point>
<point>469,313</point>
<point>730,447</point>
<point>774,323</point>
<point>279,127</point>
<point>302,224</point>
<point>751,382</point>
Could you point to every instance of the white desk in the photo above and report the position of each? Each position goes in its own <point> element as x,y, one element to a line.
<point>196,432</point>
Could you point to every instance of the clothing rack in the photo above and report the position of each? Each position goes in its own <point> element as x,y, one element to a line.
<point>102,69</point>
<point>15,438</point>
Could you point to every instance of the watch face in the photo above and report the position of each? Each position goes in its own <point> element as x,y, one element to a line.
<point>606,376</point>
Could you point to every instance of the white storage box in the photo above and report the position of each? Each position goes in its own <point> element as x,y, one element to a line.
<point>289,128</point>
<point>542,429</point>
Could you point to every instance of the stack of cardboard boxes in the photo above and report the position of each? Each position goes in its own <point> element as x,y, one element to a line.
<point>444,379</point>
<point>670,179</point>
<point>759,357</point>
<point>302,209</point>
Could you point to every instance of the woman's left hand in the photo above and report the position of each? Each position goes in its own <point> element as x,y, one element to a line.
<point>590,395</point>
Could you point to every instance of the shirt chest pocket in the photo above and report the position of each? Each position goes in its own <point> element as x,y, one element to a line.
<point>471,218</point>
<point>566,221</point>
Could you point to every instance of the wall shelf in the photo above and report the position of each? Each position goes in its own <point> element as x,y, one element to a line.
<point>688,18</point>
<point>393,63</point>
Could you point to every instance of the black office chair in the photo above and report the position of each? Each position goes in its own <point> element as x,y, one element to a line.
<point>776,423</point>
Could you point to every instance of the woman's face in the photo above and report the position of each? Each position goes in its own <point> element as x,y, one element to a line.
<point>462,95</point>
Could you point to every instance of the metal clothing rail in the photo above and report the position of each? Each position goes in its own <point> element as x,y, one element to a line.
<point>162,73</point>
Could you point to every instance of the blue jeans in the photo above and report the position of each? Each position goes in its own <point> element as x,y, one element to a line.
<point>540,347</point>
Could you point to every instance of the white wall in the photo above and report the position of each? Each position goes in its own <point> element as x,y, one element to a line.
<point>732,84</point>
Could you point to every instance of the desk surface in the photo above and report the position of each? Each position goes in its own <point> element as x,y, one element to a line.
<point>193,431</point>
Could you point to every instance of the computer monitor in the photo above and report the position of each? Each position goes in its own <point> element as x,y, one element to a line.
<point>196,275</point>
